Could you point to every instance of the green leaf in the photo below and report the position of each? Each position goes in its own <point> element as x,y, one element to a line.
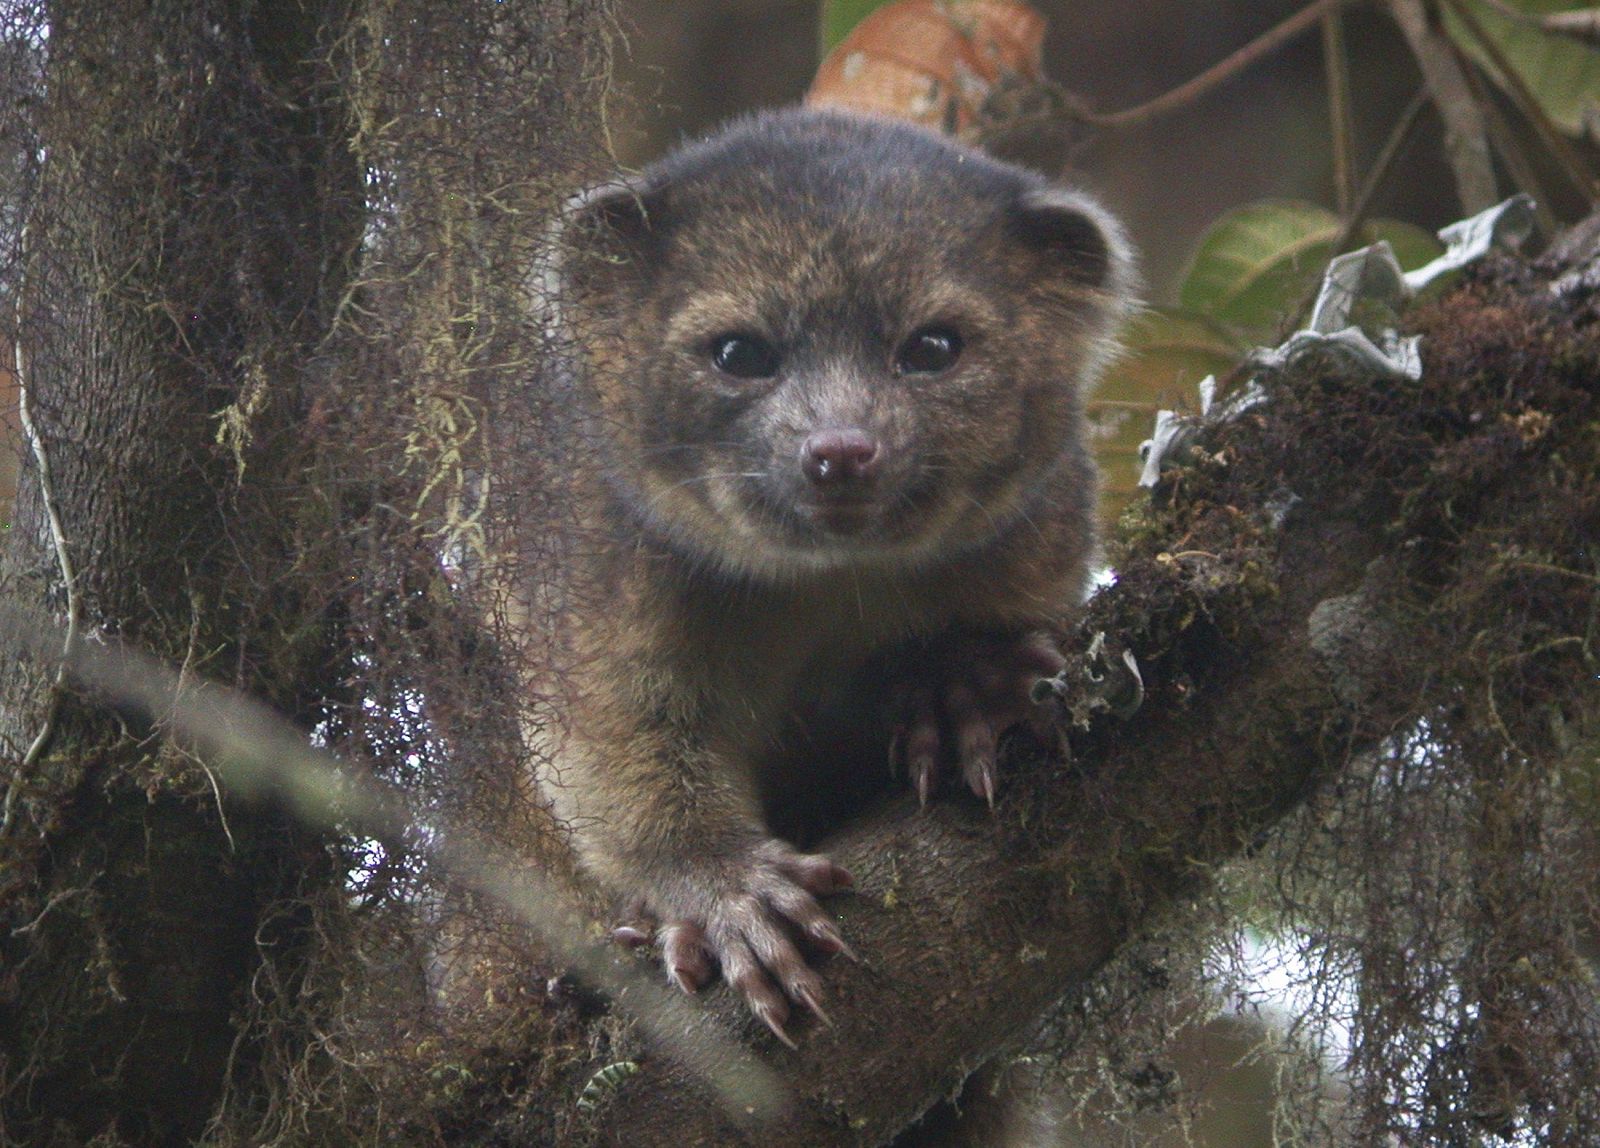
<point>1413,245</point>
<point>1562,73</point>
<point>1168,351</point>
<point>1256,265</point>
<point>1259,265</point>
<point>840,16</point>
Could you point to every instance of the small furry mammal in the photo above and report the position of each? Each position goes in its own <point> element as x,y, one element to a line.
<point>829,404</point>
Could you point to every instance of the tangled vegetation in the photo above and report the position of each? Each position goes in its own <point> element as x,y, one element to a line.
<point>271,274</point>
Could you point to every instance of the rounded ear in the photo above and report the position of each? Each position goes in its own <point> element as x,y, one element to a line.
<point>1074,235</point>
<point>608,231</point>
<point>618,208</point>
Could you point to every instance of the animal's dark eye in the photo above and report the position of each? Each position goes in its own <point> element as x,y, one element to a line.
<point>928,351</point>
<point>744,356</point>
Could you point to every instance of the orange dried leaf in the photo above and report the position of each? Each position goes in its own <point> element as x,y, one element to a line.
<point>931,62</point>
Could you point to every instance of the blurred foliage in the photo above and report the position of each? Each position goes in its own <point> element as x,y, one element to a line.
<point>1562,73</point>
<point>1255,264</point>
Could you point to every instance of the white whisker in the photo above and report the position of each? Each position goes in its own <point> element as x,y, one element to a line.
<point>984,510</point>
<point>721,474</point>
<point>676,447</point>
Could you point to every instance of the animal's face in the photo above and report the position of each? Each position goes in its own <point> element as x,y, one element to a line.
<point>840,344</point>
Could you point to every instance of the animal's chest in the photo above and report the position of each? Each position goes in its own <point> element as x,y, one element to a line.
<point>810,700</point>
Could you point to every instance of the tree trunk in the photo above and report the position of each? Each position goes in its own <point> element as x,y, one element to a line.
<point>189,231</point>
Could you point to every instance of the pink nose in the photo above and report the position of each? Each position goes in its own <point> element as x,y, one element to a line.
<point>839,457</point>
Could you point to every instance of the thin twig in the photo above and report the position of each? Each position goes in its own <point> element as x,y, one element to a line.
<point>1548,568</point>
<point>1583,24</point>
<point>1262,46</point>
<point>1336,66</point>
<point>1466,137</point>
<point>178,687</point>
<point>55,899</point>
<point>1392,147</point>
<point>58,538</point>
<point>1510,150</point>
<point>1512,12</point>
<point>258,753</point>
<point>1387,155</point>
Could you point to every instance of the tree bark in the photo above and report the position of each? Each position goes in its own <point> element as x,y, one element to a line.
<point>192,220</point>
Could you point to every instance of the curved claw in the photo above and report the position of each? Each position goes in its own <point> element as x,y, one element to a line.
<point>920,744</point>
<point>808,998</point>
<point>981,687</point>
<point>755,915</point>
<point>983,784</point>
<point>823,935</point>
<point>775,1024</point>
<point>683,951</point>
<point>630,935</point>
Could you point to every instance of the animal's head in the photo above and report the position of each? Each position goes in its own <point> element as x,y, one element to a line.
<point>818,341</point>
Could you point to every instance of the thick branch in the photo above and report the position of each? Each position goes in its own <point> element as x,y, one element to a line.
<point>160,276</point>
<point>990,923</point>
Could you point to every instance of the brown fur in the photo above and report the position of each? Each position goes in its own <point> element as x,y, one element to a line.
<point>722,608</point>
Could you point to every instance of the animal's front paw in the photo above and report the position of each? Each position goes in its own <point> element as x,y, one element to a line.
<point>747,911</point>
<point>951,712</point>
